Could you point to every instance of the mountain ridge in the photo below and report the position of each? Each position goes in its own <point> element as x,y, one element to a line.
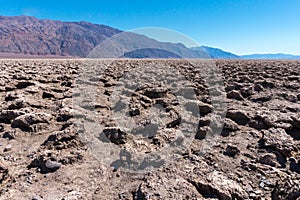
<point>42,37</point>
<point>28,36</point>
<point>271,56</point>
<point>218,53</point>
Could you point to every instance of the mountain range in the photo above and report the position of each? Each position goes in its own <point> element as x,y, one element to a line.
<point>25,36</point>
<point>278,56</point>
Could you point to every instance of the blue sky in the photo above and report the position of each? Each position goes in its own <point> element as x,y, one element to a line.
<point>239,26</point>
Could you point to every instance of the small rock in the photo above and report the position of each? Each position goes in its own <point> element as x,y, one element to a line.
<point>205,108</point>
<point>252,195</point>
<point>294,166</point>
<point>202,132</point>
<point>268,159</point>
<point>258,192</point>
<point>239,116</point>
<point>235,95</point>
<point>7,115</point>
<point>229,126</point>
<point>24,84</point>
<point>114,135</point>
<point>231,151</point>
<point>262,184</point>
<point>44,165</point>
<point>47,95</point>
<point>36,198</point>
<point>258,88</point>
<point>261,97</point>
<point>7,148</point>
<point>24,122</point>
<point>52,165</point>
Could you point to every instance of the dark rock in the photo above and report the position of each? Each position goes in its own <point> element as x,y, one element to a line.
<point>175,121</point>
<point>154,93</point>
<point>8,148</point>
<point>202,132</point>
<point>25,122</point>
<point>7,115</point>
<point>258,88</point>
<point>8,135</point>
<point>205,108</point>
<point>47,95</point>
<point>261,97</point>
<point>235,95</point>
<point>290,97</point>
<point>266,83</point>
<point>230,125</point>
<point>295,166</point>
<point>134,111</point>
<point>239,116</point>
<point>204,121</point>
<point>257,124</point>
<point>45,165</point>
<point>296,121</point>
<point>247,92</point>
<point>24,84</point>
<point>268,159</point>
<point>231,151</point>
<point>11,97</point>
<point>115,135</point>
<point>17,104</point>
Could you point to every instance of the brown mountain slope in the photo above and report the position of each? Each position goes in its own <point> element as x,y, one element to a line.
<point>29,35</point>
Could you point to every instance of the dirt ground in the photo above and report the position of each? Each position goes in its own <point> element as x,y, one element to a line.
<point>50,149</point>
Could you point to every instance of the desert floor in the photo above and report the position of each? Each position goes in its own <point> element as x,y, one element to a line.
<point>217,129</point>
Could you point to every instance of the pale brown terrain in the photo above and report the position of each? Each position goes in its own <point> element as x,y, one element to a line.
<point>44,154</point>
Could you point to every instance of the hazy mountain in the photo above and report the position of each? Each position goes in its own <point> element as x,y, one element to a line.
<point>31,36</point>
<point>150,53</point>
<point>135,45</point>
<point>278,56</point>
<point>217,53</point>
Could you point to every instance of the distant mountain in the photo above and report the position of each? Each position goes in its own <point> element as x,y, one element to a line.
<point>217,53</point>
<point>25,35</point>
<point>29,35</point>
<point>278,56</point>
<point>150,53</point>
<point>134,45</point>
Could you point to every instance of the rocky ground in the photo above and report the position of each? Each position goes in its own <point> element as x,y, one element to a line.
<point>43,154</point>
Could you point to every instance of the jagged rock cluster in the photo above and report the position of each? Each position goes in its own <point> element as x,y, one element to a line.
<point>44,156</point>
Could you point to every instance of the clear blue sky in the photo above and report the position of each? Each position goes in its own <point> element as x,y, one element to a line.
<point>239,26</point>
